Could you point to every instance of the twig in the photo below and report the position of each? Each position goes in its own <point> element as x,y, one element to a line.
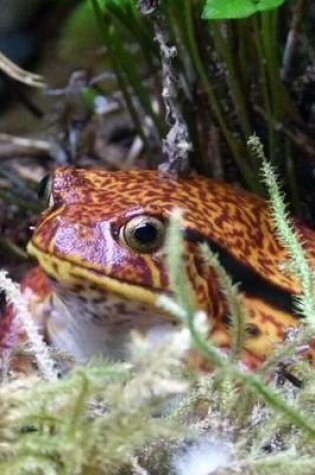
<point>176,146</point>
<point>19,74</point>
<point>13,146</point>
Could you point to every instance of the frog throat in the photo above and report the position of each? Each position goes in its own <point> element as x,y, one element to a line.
<point>72,274</point>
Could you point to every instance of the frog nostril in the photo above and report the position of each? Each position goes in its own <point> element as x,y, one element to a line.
<point>252,330</point>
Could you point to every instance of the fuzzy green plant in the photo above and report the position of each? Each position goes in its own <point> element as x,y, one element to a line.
<point>297,263</point>
<point>38,347</point>
<point>275,416</point>
<point>136,417</point>
<point>237,310</point>
<point>95,420</point>
<point>198,330</point>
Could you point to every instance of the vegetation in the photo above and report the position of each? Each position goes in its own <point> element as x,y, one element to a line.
<point>240,67</point>
<point>234,77</point>
<point>228,79</point>
<point>122,418</point>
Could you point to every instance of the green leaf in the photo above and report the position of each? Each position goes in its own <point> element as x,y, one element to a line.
<point>226,9</point>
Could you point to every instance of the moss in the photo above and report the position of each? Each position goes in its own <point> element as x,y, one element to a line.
<point>108,418</point>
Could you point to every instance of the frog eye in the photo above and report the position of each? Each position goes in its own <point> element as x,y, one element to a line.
<point>143,234</point>
<point>44,190</point>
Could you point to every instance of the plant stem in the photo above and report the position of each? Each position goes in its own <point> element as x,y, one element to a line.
<point>262,79</point>
<point>272,72</point>
<point>246,170</point>
<point>107,35</point>
<point>231,77</point>
<point>135,81</point>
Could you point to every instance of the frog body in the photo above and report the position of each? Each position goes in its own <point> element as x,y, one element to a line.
<point>101,246</point>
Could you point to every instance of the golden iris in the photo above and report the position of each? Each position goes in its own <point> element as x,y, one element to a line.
<point>143,234</point>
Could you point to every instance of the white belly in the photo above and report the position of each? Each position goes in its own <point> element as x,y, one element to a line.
<point>101,326</point>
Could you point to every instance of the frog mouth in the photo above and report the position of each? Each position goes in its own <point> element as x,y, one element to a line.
<point>74,275</point>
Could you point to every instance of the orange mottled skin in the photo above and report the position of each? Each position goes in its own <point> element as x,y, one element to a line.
<point>76,242</point>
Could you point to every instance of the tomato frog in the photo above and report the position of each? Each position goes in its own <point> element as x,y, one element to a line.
<point>100,250</point>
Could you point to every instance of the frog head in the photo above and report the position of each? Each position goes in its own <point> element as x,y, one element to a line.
<point>102,244</point>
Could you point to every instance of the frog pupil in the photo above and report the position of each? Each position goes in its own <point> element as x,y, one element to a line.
<point>145,233</point>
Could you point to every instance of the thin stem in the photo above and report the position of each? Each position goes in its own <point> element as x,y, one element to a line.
<point>268,35</point>
<point>106,33</point>
<point>134,80</point>
<point>195,111</point>
<point>262,79</point>
<point>246,170</point>
<point>232,79</point>
<point>123,86</point>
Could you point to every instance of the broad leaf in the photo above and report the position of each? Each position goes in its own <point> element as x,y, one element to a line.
<point>225,9</point>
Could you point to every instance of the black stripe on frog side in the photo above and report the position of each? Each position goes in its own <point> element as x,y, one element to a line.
<point>249,282</point>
